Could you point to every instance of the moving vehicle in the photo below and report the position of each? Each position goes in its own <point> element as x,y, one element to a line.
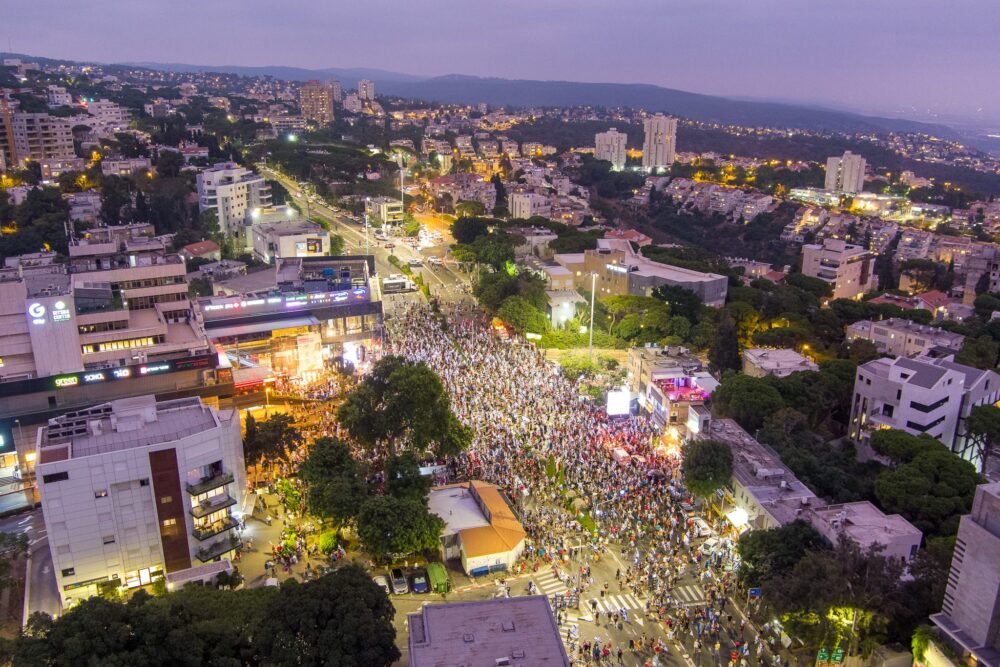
<point>419,581</point>
<point>399,585</point>
<point>382,583</point>
<point>435,261</point>
<point>397,283</point>
<point>415,262</point>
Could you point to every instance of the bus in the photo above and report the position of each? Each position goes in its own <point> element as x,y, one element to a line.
<point>397,283</point>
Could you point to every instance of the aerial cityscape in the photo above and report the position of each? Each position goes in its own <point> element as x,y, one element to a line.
<point>529,353</point>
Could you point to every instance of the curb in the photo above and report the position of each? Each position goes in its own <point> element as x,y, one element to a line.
<point>27,590</point>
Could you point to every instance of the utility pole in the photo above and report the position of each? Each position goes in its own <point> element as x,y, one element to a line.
<point>593,290</point>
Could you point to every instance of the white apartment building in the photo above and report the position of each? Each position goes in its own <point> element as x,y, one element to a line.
<point>904,338</point>
<point>124,166</point>
<point>387,209</point>
<point>867,526</point>
<point>135,489</point>
<point>336,90</point>
<point>845,173</point>
<point>660,143</point>
<point>108,115</point>
<point>298,238</point>
<point>529,204</point>
<point>366,90</point>
<point>610,146</point>
<point>850,269</point>
<point>56,96</point>
<point>233,192</point>
<point>921,396</point>
<point>760,362</point>
<point>39,136</point>
<point>353,103</point>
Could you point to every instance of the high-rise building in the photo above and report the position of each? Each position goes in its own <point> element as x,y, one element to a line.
<point>337,90</point>
<point>970,614</point>
<point>233,192</point>
<point>316,102</point>
<point>660,143</point>
<point>845,173</point>
<point>36,136</point>
<point>366,90</point>
<point>610,146</point>
<point>135,489</point>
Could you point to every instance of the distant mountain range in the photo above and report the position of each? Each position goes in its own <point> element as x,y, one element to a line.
<point>527,93</point>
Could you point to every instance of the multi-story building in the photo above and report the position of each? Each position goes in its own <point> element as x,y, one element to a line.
<point>610,146</point>
<point>38,137</point>
<point>336,90</point>
<point>366,90</point>
<point>316,102</point>
<point>848,268</point>
<point>970,613</point>
<point>233,192</point>
<point>660,143</point>
<point>108,115</point>
<point>135,489</point>
<point>921,396</point>
<point>761,362</point>
<point>387,209</point>
<point>298,238</point>
<point>867,526</point>
<point>528,205</point>
<point>904,338</point>
<point>669,381</point>
<point>56,96</point>
<point>123,166</point>
<point>845,173</point>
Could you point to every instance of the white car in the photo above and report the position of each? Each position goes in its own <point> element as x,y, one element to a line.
<point>415,262</point>
<point>435,261</point>
<point>701,527</point>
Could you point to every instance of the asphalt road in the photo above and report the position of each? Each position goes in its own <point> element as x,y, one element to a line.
<point>43,595</point>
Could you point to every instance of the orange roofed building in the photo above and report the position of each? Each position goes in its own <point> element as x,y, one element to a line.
<point>481,528</point>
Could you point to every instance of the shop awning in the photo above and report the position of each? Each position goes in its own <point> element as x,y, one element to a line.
<point>257,327</point>
<point>738,517</point>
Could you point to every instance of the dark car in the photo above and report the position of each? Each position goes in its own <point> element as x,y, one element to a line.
<point>419,581</point>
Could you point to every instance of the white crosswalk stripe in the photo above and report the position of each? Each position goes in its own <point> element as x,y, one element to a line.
<point>549,584</point>
<point>690,594</point>
<point>613,603</point>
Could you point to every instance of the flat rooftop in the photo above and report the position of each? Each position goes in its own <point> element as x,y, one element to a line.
<point>291,228</point>
<point>520,630</point>
<point>865,523</point>
<point>457,506</point>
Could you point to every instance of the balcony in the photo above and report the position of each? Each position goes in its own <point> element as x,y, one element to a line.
<point>216,528</point>
<point>214,504</point>
<point>208,483</point>
<point>216,549</point>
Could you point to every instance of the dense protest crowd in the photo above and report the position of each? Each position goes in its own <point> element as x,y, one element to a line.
<point>551,451</point>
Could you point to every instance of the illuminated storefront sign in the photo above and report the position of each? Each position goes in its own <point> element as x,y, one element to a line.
<point>122,372</point>
<point>294,301</point>
<point>36,312</point>
<point>94,377</point>
<point>617,268</point>
<point>69,381</point>
<point>154,368</point>
<point>60,313</point>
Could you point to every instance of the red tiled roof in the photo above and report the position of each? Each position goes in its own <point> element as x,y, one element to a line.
<point>201,248</point>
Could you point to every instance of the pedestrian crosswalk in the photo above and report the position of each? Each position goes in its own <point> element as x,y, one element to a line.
<point>689,595</point>
<point>615,603</point>
<point>548,583</point>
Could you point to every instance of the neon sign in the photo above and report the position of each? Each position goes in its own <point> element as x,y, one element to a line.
<point>94,377</point>
<point>69,381</point>
<point>36,311</point>
<point>122,372</point>
<point>153,368</point>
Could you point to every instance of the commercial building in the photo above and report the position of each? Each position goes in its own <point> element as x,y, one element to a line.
<point>366,90</point>
<point>233,192</point>
<point>761,362</point>
<point>528,205</point>
<point>610,146</point>
<point>668,381</point>
<point>845,173</point>
<point>481,528</point>
<point>135,489</point>
<point>904,338</point>
<point>298,238</point>
<point>921,396</point>
<point>660,143</point>
<point>387,209</point>
<point>849,269</point>
<point>316,102</point>
<point>619,270</point>
<point>506,631</point>
<point>970,614</point>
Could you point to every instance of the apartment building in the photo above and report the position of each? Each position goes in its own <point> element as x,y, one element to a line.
<point>659,145</point>
<point>761,362</point>
<point>233,192</point>
<point>123,166</point>
<point>366,90</point>
<point>387,209</point>
<point>135,489</point>
<point>108,115</point>
<point>610,146</point>
<point>904,338</point>
<point>298,238</point>
<point>316,102</point>
<point>849,269</point>
<point>846,173</point>
<point>970,614</point>
<point>528,204</point>
<point>921,396</point>
<point>56,96</point>
<point>39,137</point>
<point>336,90</point>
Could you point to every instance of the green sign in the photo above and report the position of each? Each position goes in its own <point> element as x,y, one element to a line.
<point>838,655</point>
<point>824,654</point>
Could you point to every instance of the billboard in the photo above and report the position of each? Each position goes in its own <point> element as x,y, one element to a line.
<point>619,402</point>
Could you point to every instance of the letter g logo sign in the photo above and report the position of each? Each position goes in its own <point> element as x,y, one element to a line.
<point>36,310</point>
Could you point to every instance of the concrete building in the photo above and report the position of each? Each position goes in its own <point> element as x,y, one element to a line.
<point>481,528</point>
<point>336,90</point>
<point>761,362</point>
<point>904,338</point>
<point>619,270</point>
<point>299,238</point>
<point>528,205</point>
<point>209,250</point>
<point>867,526</point>
<point>669,381</point>
<point>846,173</point>
<point>921,396</point>
<point>122,166</point>
<point>107,115</point>
<point>970,614</point>
<point>366,90</point>
<point>562,305</point>
<point>849,269</point>
<point>660,143</point>
<point>316,102</point>
<point>233,192</point>
<point>610,146</point>
<point>506,631</point>
<point>387,209</point>
<point>38,137</point>
<point>135,489</point>
<point>56,96</point>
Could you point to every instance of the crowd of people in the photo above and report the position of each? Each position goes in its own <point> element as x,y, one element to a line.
<point>551,452</point>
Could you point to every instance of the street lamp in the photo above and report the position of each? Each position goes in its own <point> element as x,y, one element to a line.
<point>593,291</point>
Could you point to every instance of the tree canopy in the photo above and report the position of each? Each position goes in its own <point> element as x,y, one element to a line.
<point>270,438</point>
<point>334,480</point>
<point>392,527</point>
<point>708,465</point>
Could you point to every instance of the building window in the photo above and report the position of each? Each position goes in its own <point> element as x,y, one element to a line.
<point>144,481</point>
<point>103,493</point>
<point>109,539</point>
<point>166,499</point>
<point>69,572</point>
<point>169,522</point>
<point>55,477</point>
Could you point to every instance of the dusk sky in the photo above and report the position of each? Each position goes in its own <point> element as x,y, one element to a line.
<point>871,55</point>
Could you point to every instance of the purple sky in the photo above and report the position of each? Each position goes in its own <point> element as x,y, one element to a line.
<point>910,56</point>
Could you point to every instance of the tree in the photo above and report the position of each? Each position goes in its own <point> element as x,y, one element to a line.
<point>766,555</point>
<point>725,351</point>
<point>341,619</point>
<point>391,527</point>
<point>465,208</point>
<point>335,483</point>
<point>708,466</point>
<point>467,229</point>
<point>978,352</point>
<point>815,286</point>
<point>862,350</point>
<point>271,439</point>
<point>12,547</point>
<point>983,428</point>
<point>748,400</point>
<point>500,208</point>
<point>517,312</point>
<point>403,478</point>
<point>682,301</point>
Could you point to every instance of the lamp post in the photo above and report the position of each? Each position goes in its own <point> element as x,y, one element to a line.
<point>593,291</point>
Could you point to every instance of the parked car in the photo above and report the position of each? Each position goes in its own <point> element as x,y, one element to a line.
<point>420,583</point>
<point>701,527</point>
<point>415,262</point>
<point>382,583</point>
<point>399,585</point>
